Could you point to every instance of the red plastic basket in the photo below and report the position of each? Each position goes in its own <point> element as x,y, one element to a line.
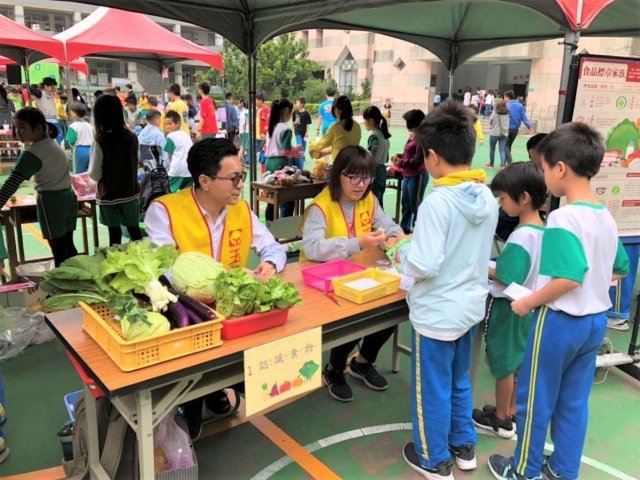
<point>240,327</point>
<point>320,276</point>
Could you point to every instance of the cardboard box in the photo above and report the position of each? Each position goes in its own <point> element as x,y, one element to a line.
<point>25,294</point>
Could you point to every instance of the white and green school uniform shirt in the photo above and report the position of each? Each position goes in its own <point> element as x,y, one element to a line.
<point>133,118</point>
<point>277,143</point>
<point>581,244</point>
<point>519,261</point>
<point>80,134</point>
<point>178,145</point>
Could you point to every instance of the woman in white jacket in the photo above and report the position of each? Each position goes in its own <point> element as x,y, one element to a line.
<point>499,122</point>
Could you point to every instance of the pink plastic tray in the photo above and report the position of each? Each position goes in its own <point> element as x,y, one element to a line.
<point>319,276</point>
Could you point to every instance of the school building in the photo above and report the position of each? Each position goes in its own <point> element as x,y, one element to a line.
<point>411,75</point>
<point>54,17</point>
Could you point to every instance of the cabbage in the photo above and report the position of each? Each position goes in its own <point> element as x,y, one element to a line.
<point>193,274</point>
<point>154,324</point>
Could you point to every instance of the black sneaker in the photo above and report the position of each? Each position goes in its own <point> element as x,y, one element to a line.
<point>492,408</point>
<point>337,385</point>
<point>192,414</point>
<point>4,454</point>
<point>218,403</point>
<point>368,374</point>
<point>441,472</point>
<point>489,421</point>
<point>502,468</point>
<point>548,473</point>
<point>465,456</point>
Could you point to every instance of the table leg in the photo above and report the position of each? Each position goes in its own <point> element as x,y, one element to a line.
<point>276,206</point>
<point>93,444</point>
<point>18,221</point>
<point>85,237</point>
<point>94,221</point>
<point>144,433</point>
<point>395,352</point>
<point>398,200</point>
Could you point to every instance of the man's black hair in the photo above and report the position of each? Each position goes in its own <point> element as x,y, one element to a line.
<point>175,89</point>
<point>413,118</point>
<point>302,101</point>
<point>519,178</point>
<point>188,97</point>
<point>131,101</point>
<point>228,95</point>
<point>577,145</point>
<point>152,114</point>
<point>330,92</point>
<point>259,96</point>
<point>205,156</point>
<point>448,131</point>
<point>97,93</point>
<point>534,141</point>
<point>153,101</point>
<point>509,94</point>
<point>205,87</point>
<point>117,88</point>
<point>79,108</point>
<point>174,116</point>
<point>48,82</point>
<point>129,86</point>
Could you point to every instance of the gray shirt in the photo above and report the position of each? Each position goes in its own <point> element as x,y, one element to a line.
<point>379,147</point>
<point>498,123</point>
<point>321,249</point>
<point>47,105</point>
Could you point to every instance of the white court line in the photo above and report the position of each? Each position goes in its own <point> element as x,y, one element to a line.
<point>281,463</point>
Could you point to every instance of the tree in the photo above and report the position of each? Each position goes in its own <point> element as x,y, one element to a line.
<point>283,68</point>
<point>366,89</point>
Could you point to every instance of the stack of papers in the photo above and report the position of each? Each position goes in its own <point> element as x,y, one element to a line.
<point>362,284</point>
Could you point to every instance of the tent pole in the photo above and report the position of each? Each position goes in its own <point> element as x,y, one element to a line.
<point>570,43</point>
<point>451,74</point>
<point>251,71</point>
<point>27,79</point>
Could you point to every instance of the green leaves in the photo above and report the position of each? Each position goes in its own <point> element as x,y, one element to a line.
<point>276,293</point>
<point>65,301</point>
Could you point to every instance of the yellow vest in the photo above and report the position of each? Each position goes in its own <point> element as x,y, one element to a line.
<point>337,223</point>
<point>192,234</point>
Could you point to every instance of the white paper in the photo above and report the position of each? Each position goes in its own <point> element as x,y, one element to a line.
<point>405,282</point>
<point>515,292</point>
<point>492,264</point>
<point>362,284</point>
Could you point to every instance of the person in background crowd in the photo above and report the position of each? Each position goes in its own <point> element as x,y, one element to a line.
<point>386,111</point>
<point>466,101</point>
<point>46,102</point>
<point>262,125</point>
<point>517,115</point>
<point>477,125</point>
<point>177,147</point>
<point>243,129</point>
<point>153,105</point>
<point>208,125</point>
<point>114,165</point>
<point>499,130</point>
<point>166,98</point>
<point>436,99</point>
<point>43,159</point>
<point>130,92</point>
<point>120,95</point>
<point>301,123</point>
<point>532,148</point>
<point>7,108</point>
<point>144,102</point>
<point>488,103</point>
<point>193,110</point>
<point>62,109</point>
<point>76,95</point>
<point>152,136</point>
<point>180,107</point>
<point>16,97</point>
<point>132,113</point>
<point>346,131</point>
<point>231,125</point>
<point>378,145</point>
<point>80,137</point>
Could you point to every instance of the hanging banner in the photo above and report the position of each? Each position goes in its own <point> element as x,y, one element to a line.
<point>608,99</point>
<point>282,369</point>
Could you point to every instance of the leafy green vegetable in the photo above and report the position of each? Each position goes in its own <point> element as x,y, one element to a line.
<point>276,293</point>
<point>621,135</point>
<point>65,301</point>
<point>155,324</point>
<point>193,274</point>
<point>236,293</point>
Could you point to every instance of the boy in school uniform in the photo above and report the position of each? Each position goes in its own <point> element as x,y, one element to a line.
<point>449,258</point>
<point>151,136</point>
<point>580,254</point>
<point>153,105</point>
<point>80,137</point>
<point>177,147</point>
<point>522,192</point>
<point>62,114</point>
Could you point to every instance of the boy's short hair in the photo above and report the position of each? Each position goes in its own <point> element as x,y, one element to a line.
<point>174,116</point>
<point>413,118</point>
<point>205,87</point>
<point>205,156</point>
<point>63,97</point>
<point>448,131</point>
<point>175,89</point>
<point>129,86</point>
<point>519,178</point>
<point>79,108</point>
<point>228,95</point>
<point>97,93</point>
<point>188,97</point>
<point>509,94</point>
<point>577,145</point>
<point>534,141</point>
<point>302,101</point>
<point>152,115</point>
<point>153,101</point>
<point>131,101</point>
<point>330,92</point>
<point>260,96</point>
<point>49,82</point>
<point>117,88</point>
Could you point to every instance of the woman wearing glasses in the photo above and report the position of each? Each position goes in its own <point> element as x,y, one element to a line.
<point>344,219</point>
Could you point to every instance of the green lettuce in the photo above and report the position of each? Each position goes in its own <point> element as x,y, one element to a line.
<point>621,135</point>
<point>236,293</point>
<point>276,293</point>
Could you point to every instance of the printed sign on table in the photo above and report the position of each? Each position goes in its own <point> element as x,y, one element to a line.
<point>608,99</point>
<point>282,369</point>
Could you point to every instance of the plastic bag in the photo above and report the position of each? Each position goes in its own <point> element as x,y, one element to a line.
<point>172,447</point>
<point>19,328</point>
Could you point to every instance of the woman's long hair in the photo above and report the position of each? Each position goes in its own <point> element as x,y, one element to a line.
<point>343,104</point>
<point>35,118</point>
<point>501,108</point>
<point>107,114</point>
<point>3,95</point>
<point>373,113</point>
<point>278,107</point>
<point>351,161</point>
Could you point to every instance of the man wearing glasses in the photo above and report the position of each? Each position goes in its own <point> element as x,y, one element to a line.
<point>211,218</point>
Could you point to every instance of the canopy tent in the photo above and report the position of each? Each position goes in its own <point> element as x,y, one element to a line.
<point>134,37</point>
<point>79,65</point>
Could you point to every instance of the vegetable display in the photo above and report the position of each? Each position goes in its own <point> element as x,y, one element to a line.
<point>193,274</point>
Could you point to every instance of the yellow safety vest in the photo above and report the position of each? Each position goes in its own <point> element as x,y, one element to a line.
<point>191,231</point>
<point>334,215</point>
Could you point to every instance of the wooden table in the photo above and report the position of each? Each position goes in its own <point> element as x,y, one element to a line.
<point>145,396</point>
<point>394,175</point>
<point>23,211</point>
<point>277,194</point>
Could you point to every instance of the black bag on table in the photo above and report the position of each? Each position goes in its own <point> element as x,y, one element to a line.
<point>154,184</point>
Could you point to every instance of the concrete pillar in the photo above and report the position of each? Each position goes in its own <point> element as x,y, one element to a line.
<point>18,14</point>
<point>177,68</point>
<point>77,17</point>
<point>132,71</point>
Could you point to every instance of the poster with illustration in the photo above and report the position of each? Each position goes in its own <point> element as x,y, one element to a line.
<point>282,369</point>
<point>608,98</point>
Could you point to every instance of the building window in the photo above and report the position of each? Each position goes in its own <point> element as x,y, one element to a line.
<point>7,12</point>
<point>38,21</point>
<point>305,36</point>
<point>319,38</point>
<point>399,64</point>
<point>348,81</point>
<point>61,23</point>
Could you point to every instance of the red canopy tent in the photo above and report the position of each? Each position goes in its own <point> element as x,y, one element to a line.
<point>112,33</point>
<point>79,65</point>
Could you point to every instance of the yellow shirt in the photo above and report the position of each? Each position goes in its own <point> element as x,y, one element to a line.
<point>478,127</point>
<point>61,111</point>
<point>337,138</point>
<point>144,103</point>
<point>181,109</point>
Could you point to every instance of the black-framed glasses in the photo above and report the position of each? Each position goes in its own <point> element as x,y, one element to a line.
<point>235,180</point>
<point>356,179</point>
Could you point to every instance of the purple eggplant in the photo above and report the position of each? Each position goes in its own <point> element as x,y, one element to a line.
<point>200,309</point>
<point>194,318</point>
<point>179,314</point>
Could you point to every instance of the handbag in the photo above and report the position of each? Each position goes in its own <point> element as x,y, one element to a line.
<point>503,131</point>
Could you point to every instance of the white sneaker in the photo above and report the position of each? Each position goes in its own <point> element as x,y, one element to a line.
<point>618,324</point>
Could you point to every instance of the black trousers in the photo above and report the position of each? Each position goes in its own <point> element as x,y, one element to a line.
<point>510,139</point>
<point>371,345</point>
<point>62,248</point>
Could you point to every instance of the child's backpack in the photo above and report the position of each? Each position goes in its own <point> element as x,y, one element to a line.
<point>117,443</point>
<point>154,184</point>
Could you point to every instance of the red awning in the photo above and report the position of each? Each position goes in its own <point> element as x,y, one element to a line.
<point>79,65</point>
<point>580,13</point>
<point>18,42</point>
<point>113,33</point>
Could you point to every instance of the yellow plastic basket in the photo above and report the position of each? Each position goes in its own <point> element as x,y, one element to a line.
<point>389,285</point>
<point>97,321</point>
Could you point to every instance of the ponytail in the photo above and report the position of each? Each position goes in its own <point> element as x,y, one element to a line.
<point>373,113</point>
<point>51,130</point>
<point>343,104</point>
<point>278,107</point>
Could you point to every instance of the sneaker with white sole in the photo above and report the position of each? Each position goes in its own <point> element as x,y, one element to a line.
<point>488,408</point>
<point>618,324</point>
<point>368,374</point>
<point>502,468</point>
<point>4,454</point>
<point>337,385</point>
<point>490,422</point>
<point>441,472</point>
<point>465,456</point>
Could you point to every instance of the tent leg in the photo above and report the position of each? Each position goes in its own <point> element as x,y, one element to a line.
<point>451,74</point>
<point>251,70</point>
<point>570,43</point>
<point>67,72</point>
<point>27,79</point>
